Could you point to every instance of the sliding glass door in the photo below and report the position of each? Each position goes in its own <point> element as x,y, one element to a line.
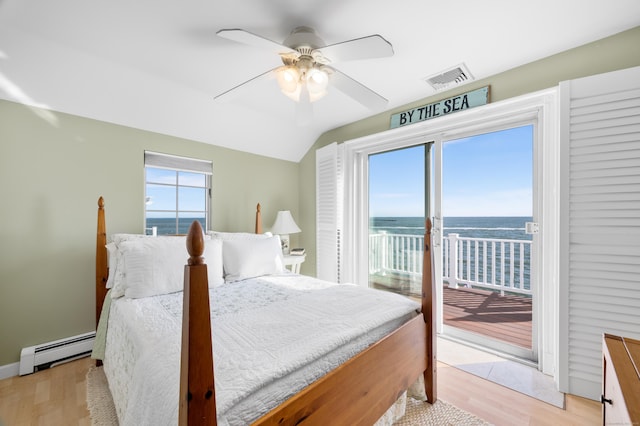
<point>374,214</point>
<point>398,182</point>
<point>483,186</point>
<point>488,227</point>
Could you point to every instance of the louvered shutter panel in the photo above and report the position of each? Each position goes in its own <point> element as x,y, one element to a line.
<point>328,209</point>
<point>601,235</point>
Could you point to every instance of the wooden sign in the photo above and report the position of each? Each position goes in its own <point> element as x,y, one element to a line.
<point>437,109</point>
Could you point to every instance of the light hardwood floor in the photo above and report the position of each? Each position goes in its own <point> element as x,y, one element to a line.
<point>58,397</point>
<point>502,406</point>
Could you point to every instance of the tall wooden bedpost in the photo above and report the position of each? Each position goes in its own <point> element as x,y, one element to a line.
<point>197,389</point>
<point>102,271</point>
<point>429,312</point>
<point>258,220</point>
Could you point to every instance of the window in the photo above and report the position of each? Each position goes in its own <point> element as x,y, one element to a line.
<point>177,192</point>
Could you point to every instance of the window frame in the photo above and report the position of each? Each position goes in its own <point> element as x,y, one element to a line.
<point>177,165</point>
<point>541,107</point>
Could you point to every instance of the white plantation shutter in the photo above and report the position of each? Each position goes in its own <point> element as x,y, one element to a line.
<point>328,212</point>
<point>600,238</point>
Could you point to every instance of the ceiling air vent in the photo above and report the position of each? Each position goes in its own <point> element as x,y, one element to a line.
<point>455,76</point>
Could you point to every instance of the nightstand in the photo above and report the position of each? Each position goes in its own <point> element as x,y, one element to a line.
<point>294,262</point>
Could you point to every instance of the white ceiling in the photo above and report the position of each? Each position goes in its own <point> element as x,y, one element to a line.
<point>157,64</point>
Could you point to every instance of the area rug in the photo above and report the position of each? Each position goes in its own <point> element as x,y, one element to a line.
<point>103,413</point>
<point>439,414</point>
<point>99,400</point>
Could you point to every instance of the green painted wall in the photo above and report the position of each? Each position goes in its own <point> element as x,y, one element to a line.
<point>613,53</point>
<point>53,168</point>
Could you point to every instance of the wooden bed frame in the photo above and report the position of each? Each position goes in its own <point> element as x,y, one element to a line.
<point>358,392</point>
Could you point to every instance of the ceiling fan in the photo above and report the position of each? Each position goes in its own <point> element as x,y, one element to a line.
<point>305,74</point>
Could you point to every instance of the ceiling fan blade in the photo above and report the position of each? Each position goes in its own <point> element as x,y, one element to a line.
<point>370,47</point>
<point>244,87</point>
<point>242,36</point>
<point>357,91</point>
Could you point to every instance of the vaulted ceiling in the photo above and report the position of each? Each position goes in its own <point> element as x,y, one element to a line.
<point>158,64</point>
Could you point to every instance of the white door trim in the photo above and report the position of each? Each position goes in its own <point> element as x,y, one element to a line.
<point>540,107</point>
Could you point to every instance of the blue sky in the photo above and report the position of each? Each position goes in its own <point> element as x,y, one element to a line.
<point>396,183</point>
<point>484,175</point>
<point>159,197</point>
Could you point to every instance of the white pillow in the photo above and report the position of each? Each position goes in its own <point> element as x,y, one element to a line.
<point>154,266</point>
<point>112,252</point>
<point>249,258</point>
<point>213,258</point>
<point>238,235</point>
<point>119,238</point>
<point>117,279</point>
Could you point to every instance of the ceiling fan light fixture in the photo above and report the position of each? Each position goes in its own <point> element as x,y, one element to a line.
<point>306,58</point>
<point>293,82</point>
<point>289,80</point>
<point>314,96</point>
<point>317,81</point>
<point>294,96</point>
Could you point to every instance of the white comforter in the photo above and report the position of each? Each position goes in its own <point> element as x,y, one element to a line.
<point>272,336</point>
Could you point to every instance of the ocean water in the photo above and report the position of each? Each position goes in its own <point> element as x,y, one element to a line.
<point>475,227</point>
<point>168,225</point>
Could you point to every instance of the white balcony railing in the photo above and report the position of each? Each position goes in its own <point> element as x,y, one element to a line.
<point>496,264</point>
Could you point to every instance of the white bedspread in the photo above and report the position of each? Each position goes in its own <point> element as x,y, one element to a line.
<point>272,336</point>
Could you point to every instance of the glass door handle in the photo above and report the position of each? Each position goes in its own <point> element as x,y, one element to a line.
<point>436,231</point>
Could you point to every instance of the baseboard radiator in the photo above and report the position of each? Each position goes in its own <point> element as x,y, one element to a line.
<point>46,355</point>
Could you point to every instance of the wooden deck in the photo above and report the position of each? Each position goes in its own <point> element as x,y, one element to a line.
<point>506,318</point>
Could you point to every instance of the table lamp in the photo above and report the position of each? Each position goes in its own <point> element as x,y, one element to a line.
<point>283,226</point>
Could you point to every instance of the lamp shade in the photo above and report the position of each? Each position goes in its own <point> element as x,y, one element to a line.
<point>289,81</point>
<point>284,223</point>
<point>317,81</point>
<point>306,81</point>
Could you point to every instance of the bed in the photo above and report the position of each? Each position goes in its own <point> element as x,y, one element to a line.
<point>270,367</point>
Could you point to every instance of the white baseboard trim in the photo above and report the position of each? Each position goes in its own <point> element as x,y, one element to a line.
<point>9,370</point>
